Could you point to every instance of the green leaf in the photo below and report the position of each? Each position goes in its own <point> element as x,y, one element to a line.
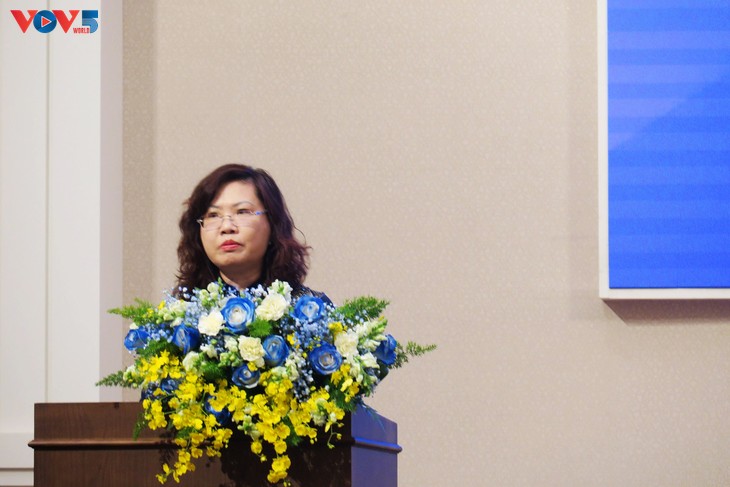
<point>114,380</point>
<point>366,307</point>
<point>212,371</point>
<point>155,347</point>
<point>141,313</point>
<point>293,439</point>
<point>139,425</point>
<point>259,328</point>
<point>412,349</point>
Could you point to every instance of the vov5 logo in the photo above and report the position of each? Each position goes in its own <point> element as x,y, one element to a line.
<point>45,21</point>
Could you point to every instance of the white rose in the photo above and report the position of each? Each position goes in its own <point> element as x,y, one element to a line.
<point>346,344</point>
<point>272,307</point>
<point>211,324</point>
<point>251,350</point>
<point>189,360</point>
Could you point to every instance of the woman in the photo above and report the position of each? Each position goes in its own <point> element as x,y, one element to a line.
<point>237,227</point>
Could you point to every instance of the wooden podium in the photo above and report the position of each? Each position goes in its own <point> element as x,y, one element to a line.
<point>91,445</point>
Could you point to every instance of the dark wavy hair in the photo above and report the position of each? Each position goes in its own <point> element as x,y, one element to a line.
<point>285,258</point>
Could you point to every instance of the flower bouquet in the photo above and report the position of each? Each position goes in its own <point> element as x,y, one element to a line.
<point>280,369</point>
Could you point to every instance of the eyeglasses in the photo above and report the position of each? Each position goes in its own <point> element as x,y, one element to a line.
<point>213,220</point>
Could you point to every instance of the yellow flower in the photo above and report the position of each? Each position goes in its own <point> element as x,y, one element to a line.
<point>279,468</point>
<point>256,447</point>
<point>154,415</point>
<point>282,430</point>
<point>280,447</point>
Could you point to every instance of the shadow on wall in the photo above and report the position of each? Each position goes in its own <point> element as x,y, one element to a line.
<point>659,312</point>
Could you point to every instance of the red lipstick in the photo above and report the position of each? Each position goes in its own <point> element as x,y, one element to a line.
<point>229,245</point>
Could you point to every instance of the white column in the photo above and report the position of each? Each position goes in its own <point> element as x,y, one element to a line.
<point>60,218</point>
<point>23,241</point>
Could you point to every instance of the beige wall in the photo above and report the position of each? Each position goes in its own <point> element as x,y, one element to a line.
<point>442,155</point>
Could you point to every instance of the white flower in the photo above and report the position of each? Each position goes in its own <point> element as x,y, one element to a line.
<point>178,307</point>
<point>281,287</point>
<point>251,350</point>
<point>189,360</point>
<point>369,360</point>
<point>292,371</point>
<point>356,370</point>
<point>209,350</point>
<point>127,373</point>
<point>211,324</point>
<point>272,307</point>
<point>346,344</point>
<point>231,343</point>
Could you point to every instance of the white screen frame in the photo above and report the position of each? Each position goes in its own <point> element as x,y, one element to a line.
<point>605,292</point>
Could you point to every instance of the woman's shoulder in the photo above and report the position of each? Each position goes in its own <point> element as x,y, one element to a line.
<point>307,291</point>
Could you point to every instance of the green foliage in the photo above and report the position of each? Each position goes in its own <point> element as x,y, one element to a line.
<point>339,398</point>
<point>367,307</point>
<point>155,347</point>
<point>259,328</point>
<point>184,433</point>
<point>293,439</point>
<point>113,380</point>
<point>212,371</point>
<point>138,426</point>
<point>142,312</point>
<point>412,349</point>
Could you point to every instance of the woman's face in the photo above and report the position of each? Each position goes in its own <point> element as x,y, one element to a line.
<point>237,249</point>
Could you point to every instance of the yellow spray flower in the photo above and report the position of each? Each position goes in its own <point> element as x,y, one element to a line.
<point>256,447</point>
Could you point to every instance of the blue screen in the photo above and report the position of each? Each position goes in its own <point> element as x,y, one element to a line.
<point>669,144</point>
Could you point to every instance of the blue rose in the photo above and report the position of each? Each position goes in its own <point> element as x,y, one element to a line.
<point>325,359</point>
<point>148,392</point>
<point>275,350</point>
<point>308,308</point>
<point>386,350</point>
<point>238,313</point>
<point>168,385</point>
<point>223,417</point>
<point>136,339</point>
<point>186,338</point>
<point>245,377</point>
